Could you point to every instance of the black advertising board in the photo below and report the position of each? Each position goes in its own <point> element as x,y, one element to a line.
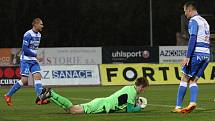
<point>130,55</point>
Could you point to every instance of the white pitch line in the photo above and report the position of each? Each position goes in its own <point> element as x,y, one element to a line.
<point>155,105</point>
<point>169,106</point>
<point>159,105</point>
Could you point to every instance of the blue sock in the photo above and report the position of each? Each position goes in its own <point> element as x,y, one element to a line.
<point>193,92</point>
<point>15,87</point>
<point>38,87</point>
<point>181,92</point>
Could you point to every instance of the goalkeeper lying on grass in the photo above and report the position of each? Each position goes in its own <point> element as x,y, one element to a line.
<point>125,98</point>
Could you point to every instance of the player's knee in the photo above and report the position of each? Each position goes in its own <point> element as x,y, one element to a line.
<point>37,76</point>
<point>193,80</point>
<point>73,111</point>
<point>184,78</point>
<point>76,109</point>
<point>24,80</point>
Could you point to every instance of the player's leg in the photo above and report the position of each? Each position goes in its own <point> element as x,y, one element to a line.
<point>181,90</point>
<point>199,70</point>
<point>193,95</point>
<point>24,79</point>
<point>193,90</point>
<point>64,102</point>
<point>97,105</point>
<point>37,83</point>
<point>56,98</point>
<point>35,70</point>
<point>38,89</point>
<point>17,85</point>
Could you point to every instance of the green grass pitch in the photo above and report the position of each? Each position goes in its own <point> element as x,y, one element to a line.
<point>161,100</point>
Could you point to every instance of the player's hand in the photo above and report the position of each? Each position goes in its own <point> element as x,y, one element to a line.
<point>142,102</point>
<point>138,102</point>
<point>185,61</point>
<point>40,59</point>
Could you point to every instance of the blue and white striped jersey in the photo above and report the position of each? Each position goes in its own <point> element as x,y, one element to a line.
<point>31,41</point>
<point>199,27</point>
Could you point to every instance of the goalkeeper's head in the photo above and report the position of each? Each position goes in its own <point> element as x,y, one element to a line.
<point>141,84</point>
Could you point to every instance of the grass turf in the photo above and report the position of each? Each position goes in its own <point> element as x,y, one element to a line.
<point>161,100</point>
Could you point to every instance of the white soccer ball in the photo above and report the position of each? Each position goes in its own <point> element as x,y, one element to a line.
<point>143,102</point>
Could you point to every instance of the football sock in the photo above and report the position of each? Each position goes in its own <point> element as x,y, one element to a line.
<point>60,100</point>
<point>193,92</point>
<point>38,87</point>
<point>57,103</point>
<point>181,93</point>
<point>15,87</point>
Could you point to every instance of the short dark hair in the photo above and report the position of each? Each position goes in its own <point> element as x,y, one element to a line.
<point>191,4</point>
<point>36,20</point>
<point>142,81</point>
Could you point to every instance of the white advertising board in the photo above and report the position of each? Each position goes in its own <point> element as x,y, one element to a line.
<point>70,75</point>
<point>70,56</point>
<point>172,54</point>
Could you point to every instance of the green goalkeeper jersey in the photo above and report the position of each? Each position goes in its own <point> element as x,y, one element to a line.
<point>125,97</point>
<point>120,99</point>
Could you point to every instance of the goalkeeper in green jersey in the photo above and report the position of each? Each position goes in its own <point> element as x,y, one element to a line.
<point>125,98</point>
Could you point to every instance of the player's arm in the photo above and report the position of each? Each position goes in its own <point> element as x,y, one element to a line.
<point>131,104</point>
<point>25,47</point>
<point>133,108</point>
<point>193,37</point>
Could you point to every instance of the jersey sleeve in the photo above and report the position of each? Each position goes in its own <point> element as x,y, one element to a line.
<point>193,27</point>
<point>193,37</point>
<point>25,46</point>
<point>133,108</point>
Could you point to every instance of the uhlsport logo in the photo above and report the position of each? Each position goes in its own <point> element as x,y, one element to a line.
<point>131,54</point>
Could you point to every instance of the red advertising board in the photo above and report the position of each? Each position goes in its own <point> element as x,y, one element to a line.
<point>9,75</point>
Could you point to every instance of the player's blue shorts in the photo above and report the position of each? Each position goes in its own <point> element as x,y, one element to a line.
<point>28,66</point>
<point>196,66</point>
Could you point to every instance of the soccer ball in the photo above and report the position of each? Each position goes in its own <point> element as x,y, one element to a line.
<point>142,102</point>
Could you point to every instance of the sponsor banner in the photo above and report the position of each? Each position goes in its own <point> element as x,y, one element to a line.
<point>69,56</point>
<point>10,56</point>
<point>70,75</point>
<point>172,54</point>
<point>130,55</point>
<point>9,75</point>
<point>126,74</point>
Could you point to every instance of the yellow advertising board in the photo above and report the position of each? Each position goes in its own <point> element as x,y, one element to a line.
<point>125,74</point>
